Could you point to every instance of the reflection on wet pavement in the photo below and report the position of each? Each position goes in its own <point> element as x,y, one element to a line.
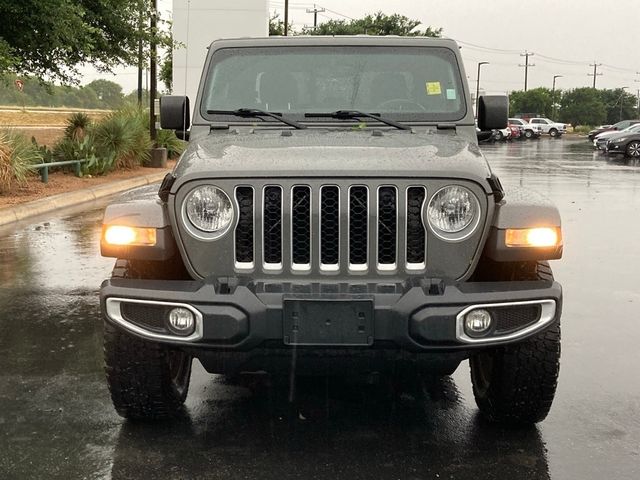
<point>56,419</point>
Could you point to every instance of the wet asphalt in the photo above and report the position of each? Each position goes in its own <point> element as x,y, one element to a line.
<point>56,419</point>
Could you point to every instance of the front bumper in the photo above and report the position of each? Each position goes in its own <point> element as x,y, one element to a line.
<point>614,148</point>
<point>424,316</point>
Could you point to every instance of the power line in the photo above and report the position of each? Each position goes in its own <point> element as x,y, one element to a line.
<point>497,50</point>
<point>338,13</point>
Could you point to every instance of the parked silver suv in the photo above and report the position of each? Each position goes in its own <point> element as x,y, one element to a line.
<point>333,214</point>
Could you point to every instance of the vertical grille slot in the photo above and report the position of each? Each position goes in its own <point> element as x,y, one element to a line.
<point>301,227</point>
<point>272,224</point>
<point>244,230</point>
<point>387,227</point>
<point>329,227</point>
<point>415,228</point>
<point>358,226</point>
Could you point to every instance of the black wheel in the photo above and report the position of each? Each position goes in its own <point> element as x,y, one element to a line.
<point>553,132</point>
<point>633,149</point>
<point>498,136</point>
<point>528,133</point>
<point>147,380</point>
<point>516,383</point>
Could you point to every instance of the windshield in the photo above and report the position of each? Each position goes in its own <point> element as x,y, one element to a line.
<point>417,83</point>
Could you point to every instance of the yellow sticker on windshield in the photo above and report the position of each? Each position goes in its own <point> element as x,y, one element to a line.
<point>433,88</point>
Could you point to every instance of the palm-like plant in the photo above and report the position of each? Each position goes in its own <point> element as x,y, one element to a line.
<point>17,154</point>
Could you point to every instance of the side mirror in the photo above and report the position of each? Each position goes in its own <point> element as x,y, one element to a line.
<point>493,112</point>
<point>175,114</point>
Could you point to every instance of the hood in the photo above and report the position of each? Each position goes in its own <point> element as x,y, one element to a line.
<point>324,153</point>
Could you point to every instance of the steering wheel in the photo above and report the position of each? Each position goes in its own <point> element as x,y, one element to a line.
<point>399,102</point>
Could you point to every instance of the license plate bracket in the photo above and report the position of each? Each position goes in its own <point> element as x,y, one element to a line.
<point>330,322</point>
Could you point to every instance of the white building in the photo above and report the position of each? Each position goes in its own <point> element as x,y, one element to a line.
<point>196,23</point>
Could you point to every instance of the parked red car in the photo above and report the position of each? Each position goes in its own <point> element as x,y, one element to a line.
<point>516,131</point>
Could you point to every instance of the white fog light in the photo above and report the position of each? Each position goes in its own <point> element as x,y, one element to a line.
<point>181,320</point>
<point>477,322</point>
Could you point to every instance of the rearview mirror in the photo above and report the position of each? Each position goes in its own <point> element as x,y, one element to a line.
<point>175,114</point>
<point>493,112</point>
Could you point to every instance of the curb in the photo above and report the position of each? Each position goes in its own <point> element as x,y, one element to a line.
<point>23,211</point>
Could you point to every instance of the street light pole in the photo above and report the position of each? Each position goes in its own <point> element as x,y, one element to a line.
<point>553,96</point>
<point>478,85</point>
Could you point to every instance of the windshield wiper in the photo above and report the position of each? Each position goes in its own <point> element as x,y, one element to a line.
<point>255,112</point>
<point>357,114</point>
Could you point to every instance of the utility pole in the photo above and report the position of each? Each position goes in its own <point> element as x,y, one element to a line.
<point>595,73</point>
<point>286,17</point>
<point>158,155</point>
<point>553,96</point>
<point>140,53</point>
<point>526,66</point>
<point>152,73</point>
<point>315,10</point>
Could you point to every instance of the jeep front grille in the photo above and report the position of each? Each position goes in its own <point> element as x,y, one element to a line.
<point>331,228</point>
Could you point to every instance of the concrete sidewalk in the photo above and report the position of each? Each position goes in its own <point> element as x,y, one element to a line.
<point>16,213</point>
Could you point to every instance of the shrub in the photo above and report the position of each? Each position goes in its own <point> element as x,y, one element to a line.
<point>77,126</point>
<point>123,138</point>
<point>167,139</point>
<point>582,129</point>
<point>17,153</point>
<point>68,149</point>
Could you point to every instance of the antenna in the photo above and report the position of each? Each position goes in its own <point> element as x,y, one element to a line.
<point>186,69</point>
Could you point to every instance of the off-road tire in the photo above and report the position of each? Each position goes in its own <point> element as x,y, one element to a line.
<point>516,383</point>
<point>147,380</point>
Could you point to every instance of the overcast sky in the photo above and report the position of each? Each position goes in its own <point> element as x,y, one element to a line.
<point>565,36</point>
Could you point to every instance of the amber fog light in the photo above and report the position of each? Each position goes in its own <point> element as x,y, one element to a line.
<point>181,321</point>
<point>477,322</point>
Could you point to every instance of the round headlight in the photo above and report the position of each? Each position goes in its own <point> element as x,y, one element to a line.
<point>209,209</point>
<point>452,209</point>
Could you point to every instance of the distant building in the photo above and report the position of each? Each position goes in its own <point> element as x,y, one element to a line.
<point>196,23</point>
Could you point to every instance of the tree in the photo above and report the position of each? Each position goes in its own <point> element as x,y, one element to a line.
<point>612,100</point>
<point>582,106</point>
<point>109,93</point>
<point>166,70</point>
<point>276,25</point>
<point>50,38</point>
<point>537,100</point>
<point>376,24</point>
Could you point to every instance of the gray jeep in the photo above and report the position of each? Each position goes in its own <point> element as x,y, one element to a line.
<point>333,214</point>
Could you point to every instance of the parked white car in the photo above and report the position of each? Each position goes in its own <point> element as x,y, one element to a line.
<point>554,129</point>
